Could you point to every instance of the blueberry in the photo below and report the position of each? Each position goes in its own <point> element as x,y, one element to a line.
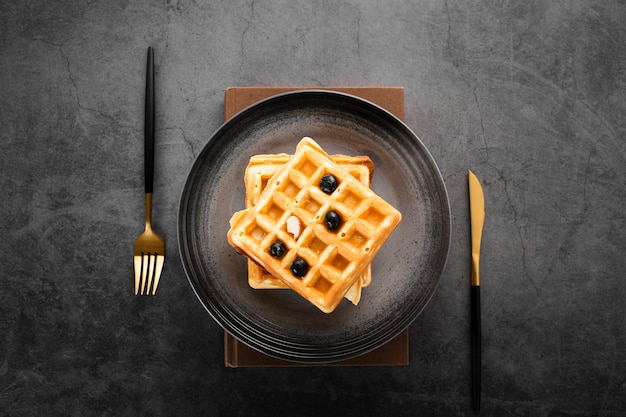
<point>299,267</point>
<point>328,183</point>
<point>277,249</point>
<point>333,221</point>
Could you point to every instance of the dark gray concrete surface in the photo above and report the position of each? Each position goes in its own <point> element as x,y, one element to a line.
<point>530,95</point>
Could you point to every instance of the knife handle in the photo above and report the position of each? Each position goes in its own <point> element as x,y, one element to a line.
<point>149,125</point>
<point>476,346</point>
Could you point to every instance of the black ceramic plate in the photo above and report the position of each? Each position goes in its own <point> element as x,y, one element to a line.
<point>405,272</point>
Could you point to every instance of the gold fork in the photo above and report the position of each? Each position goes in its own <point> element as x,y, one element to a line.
<point>149,253</point>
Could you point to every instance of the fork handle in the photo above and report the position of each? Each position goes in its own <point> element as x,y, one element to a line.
<point>149,124</point>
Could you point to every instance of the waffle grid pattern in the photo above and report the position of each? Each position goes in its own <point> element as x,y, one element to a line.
<point>260,169</point>
<point>336,258</point>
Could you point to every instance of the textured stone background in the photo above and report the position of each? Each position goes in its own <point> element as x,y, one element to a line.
<point>531,95</point>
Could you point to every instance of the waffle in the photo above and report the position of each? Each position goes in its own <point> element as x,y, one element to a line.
<point>320,265</point>
<point>258,172</point>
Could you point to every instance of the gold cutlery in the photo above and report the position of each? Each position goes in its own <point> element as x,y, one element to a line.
<point>149,253</point>
<point>477,219</point>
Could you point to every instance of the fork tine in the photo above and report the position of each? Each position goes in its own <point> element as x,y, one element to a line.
<point>151,261</point>
<point>157,274</point>
<point>144,270</point>
<point>137,263</point>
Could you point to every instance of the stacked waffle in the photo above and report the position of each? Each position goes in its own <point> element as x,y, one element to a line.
<point>311,224</point>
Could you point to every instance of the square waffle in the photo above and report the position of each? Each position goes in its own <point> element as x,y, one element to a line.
<point>333,260</point>
<point>258,172</point>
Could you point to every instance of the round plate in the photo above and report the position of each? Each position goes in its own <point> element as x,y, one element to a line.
<point>405,272</point>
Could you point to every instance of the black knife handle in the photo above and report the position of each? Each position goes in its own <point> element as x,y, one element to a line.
<point>476,347</point>
<point>149,124</point>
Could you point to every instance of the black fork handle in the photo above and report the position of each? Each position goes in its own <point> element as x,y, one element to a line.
<point>149,124</point>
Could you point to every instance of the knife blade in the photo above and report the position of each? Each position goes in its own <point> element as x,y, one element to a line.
<point>477,220</point>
